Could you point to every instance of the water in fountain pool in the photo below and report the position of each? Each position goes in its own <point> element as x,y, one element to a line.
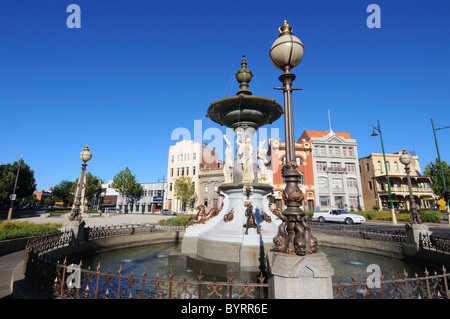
<point>154,259</point>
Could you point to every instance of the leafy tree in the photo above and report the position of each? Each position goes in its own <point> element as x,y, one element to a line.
<point>26,184</point>
<point>126,185</point>
<point>93,187</point>
<point>433,170</point>
<point>184,189</point>
<point>63,192</point>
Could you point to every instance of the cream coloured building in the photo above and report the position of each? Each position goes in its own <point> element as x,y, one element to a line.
<point>184,160</point>
<point>189,158</point>
<point>375,187</point>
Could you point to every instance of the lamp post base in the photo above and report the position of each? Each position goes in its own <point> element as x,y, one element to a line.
<point>300,277</point>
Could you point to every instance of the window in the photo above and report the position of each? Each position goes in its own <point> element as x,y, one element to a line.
<point>283,160</point>
<point>347,151</point>
<point>194,156</point>
<point>333,151</point>
<point>173,158</point>
<point>320,150</point>
<point>182,171</point>
<point>193,169</point>
<point>324,200</point>
<point>396,165</point>
<point>351,182</point>
<point>335,166</point>
<point>370,185</point>
<point>301,179</point>
<point>322,181</point>
<point>206,187</point>
<point>321,166</point>
<point>171,172</point>
<point>367,167</point>
<point>337,183</point>
<point>178,171</point>
<point>379,165</point>
<point>187,171</point>
<point>388,166</point>
<point>350,167</point>
<point>299,161</point>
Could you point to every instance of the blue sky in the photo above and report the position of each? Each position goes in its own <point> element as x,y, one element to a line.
<point>137,70</point>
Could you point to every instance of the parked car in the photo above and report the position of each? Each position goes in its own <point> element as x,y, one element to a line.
<point>168,212</point>
<point>339,215</point>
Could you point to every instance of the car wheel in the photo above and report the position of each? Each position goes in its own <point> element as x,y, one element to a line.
<point>321,219</point>
<point>348,221</point>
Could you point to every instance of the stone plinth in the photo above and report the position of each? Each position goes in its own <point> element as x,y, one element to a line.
<point>77,226</point>
<point>300,277</point>
<point>413,234</point>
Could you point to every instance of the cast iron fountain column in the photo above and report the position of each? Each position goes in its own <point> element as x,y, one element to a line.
<point>294,236</point>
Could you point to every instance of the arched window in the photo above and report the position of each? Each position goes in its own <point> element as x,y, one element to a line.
<point>299,161</point>
<point>322,181</point>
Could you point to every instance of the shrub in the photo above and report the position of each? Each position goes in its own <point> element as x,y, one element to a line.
<point>11,230</point>
<point>176,221</point>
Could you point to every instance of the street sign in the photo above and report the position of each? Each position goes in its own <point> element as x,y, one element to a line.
<point>12,197</point>
<point>441,202</point>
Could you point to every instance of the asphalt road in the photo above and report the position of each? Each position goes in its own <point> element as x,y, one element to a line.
<point>442,229</point>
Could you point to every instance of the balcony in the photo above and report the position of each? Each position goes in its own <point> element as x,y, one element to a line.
<point>336,169</point>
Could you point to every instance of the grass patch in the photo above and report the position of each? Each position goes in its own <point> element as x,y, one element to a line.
<point>12,230</point>
<point>176,221</point>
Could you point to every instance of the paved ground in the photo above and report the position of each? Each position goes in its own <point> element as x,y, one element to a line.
<point>9,262</point>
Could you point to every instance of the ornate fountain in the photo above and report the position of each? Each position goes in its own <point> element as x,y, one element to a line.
<point>239,236</point>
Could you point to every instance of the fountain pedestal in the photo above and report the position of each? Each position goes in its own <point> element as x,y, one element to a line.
<point>230,237</point>
<point>300,277</point>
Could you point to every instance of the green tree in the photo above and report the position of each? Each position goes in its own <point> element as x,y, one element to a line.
<point>433,170</point>
<point>93,187</point>
<point>184,189</point>
<point>127,186</point>
<point>26,184</point>
<point>63,192</point>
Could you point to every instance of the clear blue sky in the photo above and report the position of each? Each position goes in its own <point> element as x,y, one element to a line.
<point>136,70</point>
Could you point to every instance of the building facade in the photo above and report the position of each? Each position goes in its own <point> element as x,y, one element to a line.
<point>375,187</point>
<point>304,167</point>
<point>150,200</point>
<point>337,178</point>
<point>187,158</point>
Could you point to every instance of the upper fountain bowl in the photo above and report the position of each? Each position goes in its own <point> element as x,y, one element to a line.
<point>244,108</point>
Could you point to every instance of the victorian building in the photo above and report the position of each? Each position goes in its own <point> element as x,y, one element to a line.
<point>375,187</point>
<point>304,167</point>
<point>337,182</point>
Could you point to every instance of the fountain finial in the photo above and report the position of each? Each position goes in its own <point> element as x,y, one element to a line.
<point>244,76</point>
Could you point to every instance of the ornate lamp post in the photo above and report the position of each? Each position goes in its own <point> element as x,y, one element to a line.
<point>406,159</point>
<point>294,236</point>
<point>13,196</point>
<point>75,215</point>
<point>378,128</point>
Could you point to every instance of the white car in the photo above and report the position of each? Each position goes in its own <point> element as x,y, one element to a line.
<point>339,215</point>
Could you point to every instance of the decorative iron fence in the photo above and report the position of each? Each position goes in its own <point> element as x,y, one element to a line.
<point>58,279</point>
<point>93,284</point>
<point>427,287</point>
<point>435,243</point>
<point>99,232</point>
<point>396,236</point>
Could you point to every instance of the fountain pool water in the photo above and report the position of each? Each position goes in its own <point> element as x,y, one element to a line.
<point>154,258</point>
